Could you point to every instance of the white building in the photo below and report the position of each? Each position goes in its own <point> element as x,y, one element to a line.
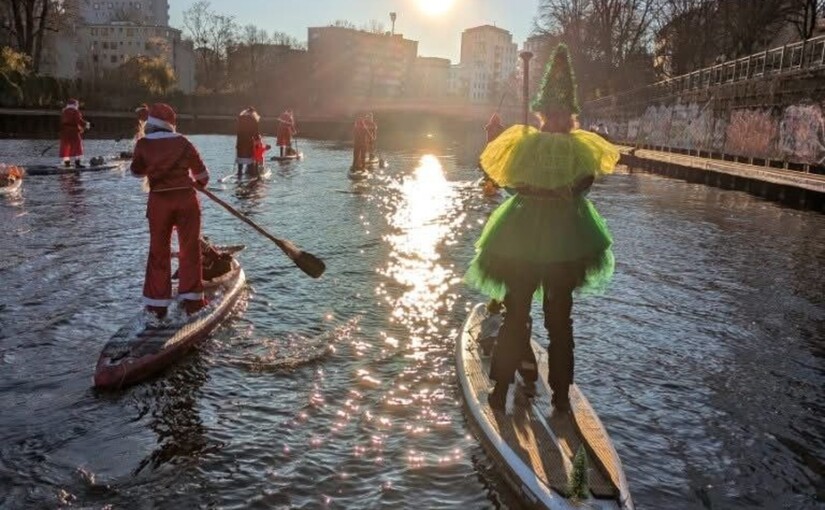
<point>108,46</point>
<point>144,12</point>
<point>488,59</point>
<point>106,34</point>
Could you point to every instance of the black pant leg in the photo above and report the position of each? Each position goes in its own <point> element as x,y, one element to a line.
<point>514,337</point>
<point>558,307</point>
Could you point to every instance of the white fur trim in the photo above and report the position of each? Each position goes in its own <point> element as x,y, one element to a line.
<point>202,175</point>
<point>71,106</point>
<point>247,113</point>
<point>160,135</point>
<point>154,121</point>
<point>191,296</point>
<point>156,302</point>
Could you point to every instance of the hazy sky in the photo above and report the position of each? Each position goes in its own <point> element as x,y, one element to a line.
<point>438,35</point>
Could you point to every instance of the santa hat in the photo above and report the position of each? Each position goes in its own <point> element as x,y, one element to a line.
<point>558,89</point>
<point>163,116</point>
<point>251,112</point>
<point>72,103</point>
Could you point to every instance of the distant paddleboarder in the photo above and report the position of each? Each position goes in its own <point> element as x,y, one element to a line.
<point>286,130</point>
<point>72,126</point>
<point>247,132</point>
<point>547,240</point>
<point>360,143</point>
<point>494,127</point>
<point>372,135</point>
<point>173,167</point>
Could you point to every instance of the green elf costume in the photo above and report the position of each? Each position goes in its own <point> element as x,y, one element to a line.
<point>547,240</point>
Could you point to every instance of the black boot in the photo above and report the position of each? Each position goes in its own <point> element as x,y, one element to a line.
<point>78,164</point>
<point>67,163</point>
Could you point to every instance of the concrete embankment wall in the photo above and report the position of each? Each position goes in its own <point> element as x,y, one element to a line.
<point>777,122</point>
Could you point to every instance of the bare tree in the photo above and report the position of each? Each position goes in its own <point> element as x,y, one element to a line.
<point>803,15</point>
<point>374,27</point>
<point>342,23</point>
<point>212,34</point>
<point>748,26</point>
<point>685,36</point>
<point>284,39</point>
<point>603,35</point>
<point>27,22</point>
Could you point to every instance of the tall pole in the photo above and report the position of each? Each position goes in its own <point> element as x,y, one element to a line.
<point>393,16</point>
<point>525,58</point>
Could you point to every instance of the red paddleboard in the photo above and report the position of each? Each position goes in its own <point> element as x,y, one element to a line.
<point>140,350</point>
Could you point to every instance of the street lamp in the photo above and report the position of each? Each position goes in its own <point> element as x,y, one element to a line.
<point>393,17</point>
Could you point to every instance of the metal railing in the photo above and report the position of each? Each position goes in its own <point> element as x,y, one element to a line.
<point>807,55</point>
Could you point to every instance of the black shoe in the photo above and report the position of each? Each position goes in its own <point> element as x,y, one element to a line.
<point>78,164</point>
<point>67,164</point>
<point>498,397</point>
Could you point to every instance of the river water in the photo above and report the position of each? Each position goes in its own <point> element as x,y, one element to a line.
<point>705,359</point>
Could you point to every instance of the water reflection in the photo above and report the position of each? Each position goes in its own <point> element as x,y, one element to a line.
<point>421,222</point>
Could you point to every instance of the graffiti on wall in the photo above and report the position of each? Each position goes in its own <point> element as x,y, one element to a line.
<point>802,134</point>
<point>795,133</point>
<point>751,132</point>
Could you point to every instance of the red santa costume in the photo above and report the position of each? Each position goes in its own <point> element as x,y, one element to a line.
<point>372,134</point>
<point>72,124</point>
<point>172,166</point>
<point>494,127</point>
<point>248,130</point>
<point>142,113</point>
<point>286,130</point>
<point>360,136</point>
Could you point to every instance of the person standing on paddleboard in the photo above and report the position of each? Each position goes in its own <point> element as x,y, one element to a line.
<point>372,135</point>
<point>286,130</point>
<point>360,136</point>
<point>547,240</point>
<point>248,130</point>
<point>72,126</point>
<point>142,113</point>
<point>174,168</point>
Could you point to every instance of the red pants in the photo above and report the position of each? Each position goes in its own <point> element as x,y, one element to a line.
<point>167,210</point>
<point>359,155</point>
<point>71,146</point>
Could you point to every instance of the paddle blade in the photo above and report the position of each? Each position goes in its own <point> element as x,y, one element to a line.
<point>310,264</point>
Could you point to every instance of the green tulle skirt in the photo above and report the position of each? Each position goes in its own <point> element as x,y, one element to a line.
<point>529,235</point>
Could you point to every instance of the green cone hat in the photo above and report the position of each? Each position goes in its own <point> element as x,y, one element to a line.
<point>558,88</point>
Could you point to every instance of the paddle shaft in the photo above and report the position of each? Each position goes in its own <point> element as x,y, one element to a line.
<point>287,247</point>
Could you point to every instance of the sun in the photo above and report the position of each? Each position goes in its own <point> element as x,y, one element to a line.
<point>435,7</point>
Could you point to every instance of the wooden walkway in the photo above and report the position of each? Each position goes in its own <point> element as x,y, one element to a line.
<point>777,176</point>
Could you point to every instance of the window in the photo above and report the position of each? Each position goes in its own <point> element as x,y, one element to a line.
<point>113,59</point>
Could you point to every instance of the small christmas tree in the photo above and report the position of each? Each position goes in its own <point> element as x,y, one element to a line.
<point>578,488</point>
<point>558,88</point>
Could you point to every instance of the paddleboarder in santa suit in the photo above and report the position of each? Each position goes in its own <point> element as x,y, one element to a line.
<point>174,168</point>
<point>547,240</point>
<point>248,131</point>
<point>372,135</point>
<point>72,126</point>
<point>494,127</point>
<point>360,143</point>
<point>286,130</point>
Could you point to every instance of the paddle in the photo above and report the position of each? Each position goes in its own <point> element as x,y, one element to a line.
<point>306,262</point>
<point>47,149</point>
